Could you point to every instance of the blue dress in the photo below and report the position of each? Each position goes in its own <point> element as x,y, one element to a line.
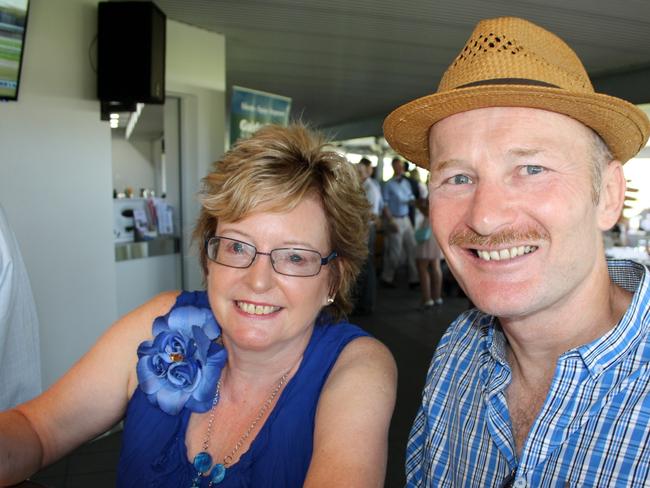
<point>153,450</point>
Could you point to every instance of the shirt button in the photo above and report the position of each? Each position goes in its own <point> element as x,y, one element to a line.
<point>598,369</point>
<point>520,483</point>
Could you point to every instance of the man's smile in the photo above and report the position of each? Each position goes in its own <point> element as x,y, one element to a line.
<point>503,254</point>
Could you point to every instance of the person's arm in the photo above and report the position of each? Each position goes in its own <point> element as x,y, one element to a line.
<point>352,419</point>
<point>89,399</point>
<point>374,199</point>
<point>407,197</point>
<point>391,226</point>
<point>422,205</point>
<point>387,214</point>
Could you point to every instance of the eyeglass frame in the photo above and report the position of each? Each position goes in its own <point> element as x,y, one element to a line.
<point>323,260</point>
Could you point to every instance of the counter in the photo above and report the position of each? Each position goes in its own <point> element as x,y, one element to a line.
<point>159,246</point>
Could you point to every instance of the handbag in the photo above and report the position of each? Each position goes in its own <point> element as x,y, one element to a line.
<point>423,233</point>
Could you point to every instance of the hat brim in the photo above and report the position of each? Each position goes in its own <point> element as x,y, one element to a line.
<point>623,126</point>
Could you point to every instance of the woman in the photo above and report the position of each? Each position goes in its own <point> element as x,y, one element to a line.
<point>427,255</point>
<point>252,383</point>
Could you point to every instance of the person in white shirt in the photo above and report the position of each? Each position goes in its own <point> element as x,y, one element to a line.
<point>372,188</point>
<point>20,356</point>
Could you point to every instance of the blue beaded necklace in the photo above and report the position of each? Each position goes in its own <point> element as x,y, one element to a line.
<point>203,460</point>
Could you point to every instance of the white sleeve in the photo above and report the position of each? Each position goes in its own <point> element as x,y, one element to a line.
<point>20,355</point>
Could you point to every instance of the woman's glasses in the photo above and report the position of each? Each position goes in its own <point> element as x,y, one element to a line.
<point>285,261</point>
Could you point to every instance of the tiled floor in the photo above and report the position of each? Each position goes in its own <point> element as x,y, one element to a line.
<point>411,335</point>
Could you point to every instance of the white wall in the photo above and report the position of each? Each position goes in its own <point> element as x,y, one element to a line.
<point>55,182</point>
<point>133,163</point>
<point>196,70</point>
<point>195,57</point>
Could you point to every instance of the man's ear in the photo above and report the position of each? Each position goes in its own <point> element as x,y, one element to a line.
<point>612,195</point>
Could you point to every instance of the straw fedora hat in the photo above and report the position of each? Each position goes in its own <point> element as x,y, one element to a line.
<point>510,62</point>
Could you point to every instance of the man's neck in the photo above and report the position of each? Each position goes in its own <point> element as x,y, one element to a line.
<point>536,341</point>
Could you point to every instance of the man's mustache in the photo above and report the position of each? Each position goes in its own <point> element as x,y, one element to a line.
<point>469,238</point>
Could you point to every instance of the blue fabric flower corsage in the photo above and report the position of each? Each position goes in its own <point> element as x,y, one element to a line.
<point>180,367</point>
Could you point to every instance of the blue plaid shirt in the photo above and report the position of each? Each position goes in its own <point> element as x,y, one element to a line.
<point>592,431</point>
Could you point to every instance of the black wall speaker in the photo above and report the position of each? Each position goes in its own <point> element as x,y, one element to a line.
<point>131,52</point>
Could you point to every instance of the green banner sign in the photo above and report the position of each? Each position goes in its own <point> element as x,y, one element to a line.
<point>251,109</point>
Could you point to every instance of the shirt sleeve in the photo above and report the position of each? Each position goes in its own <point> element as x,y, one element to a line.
<point>414,451</point>
<point>19,344</point>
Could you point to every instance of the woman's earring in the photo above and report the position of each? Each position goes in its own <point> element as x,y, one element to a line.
<point>330,300</point>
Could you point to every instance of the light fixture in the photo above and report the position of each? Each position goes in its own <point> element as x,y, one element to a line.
<point>133,119</point>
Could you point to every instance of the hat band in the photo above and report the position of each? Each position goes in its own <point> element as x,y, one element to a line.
<point>508,81</point>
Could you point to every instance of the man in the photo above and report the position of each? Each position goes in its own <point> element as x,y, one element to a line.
<point>547,382</point>
<point>371,187</point>
<point>399,238</point>
<point>367,281</point>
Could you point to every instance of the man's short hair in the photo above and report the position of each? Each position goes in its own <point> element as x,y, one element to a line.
<point>366,162</point>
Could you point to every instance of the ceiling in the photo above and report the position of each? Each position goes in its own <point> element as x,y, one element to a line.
<point>347,64</point>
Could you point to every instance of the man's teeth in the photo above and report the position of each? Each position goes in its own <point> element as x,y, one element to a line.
<point>503,254</point>
<point>257,309</point>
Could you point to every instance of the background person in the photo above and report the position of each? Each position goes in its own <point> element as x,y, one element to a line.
<point>257,381</point>
<point>547,381</point>
<point>427,255</point>
<point>366,290</point>
<point>399,241</point>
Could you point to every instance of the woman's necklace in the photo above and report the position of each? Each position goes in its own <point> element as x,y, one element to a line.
<point>203,461</point>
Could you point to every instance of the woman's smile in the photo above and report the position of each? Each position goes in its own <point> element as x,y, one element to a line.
<point>256,309</point>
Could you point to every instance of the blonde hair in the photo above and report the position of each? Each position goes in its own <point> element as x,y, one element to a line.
<point>273,171</point>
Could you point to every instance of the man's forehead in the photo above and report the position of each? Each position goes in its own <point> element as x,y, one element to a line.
<point>511,130</point>
<point>523,122</point>
<point>489,113</point>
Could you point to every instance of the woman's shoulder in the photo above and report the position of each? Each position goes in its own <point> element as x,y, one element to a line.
<point>364,353</point>
<point>356,344</point>
<point>137,325</point>
<point>362,357</point>
<point>138,322</point>
<point>159,304</point>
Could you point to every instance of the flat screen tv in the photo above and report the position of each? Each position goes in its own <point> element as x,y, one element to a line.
<point>13,23</point>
